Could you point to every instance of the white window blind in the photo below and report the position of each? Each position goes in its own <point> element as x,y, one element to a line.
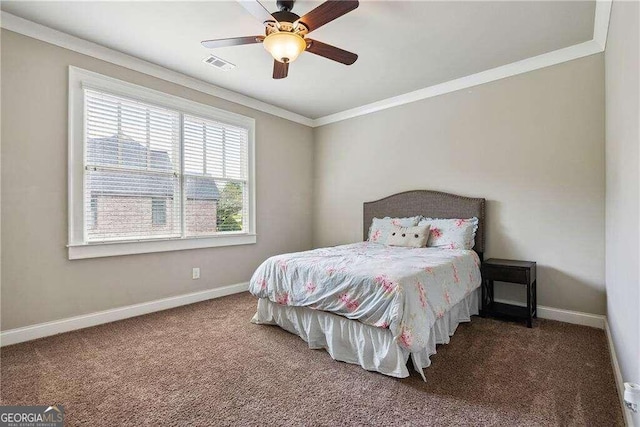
<point>154,173</point>
<point>215,163</point>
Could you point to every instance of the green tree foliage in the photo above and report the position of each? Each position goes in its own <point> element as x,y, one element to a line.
<point>230,208</point>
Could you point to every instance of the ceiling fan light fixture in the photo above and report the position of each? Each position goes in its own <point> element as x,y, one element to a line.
<point>284,46</point>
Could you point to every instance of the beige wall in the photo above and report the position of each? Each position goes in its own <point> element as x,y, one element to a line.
<point>622,71</point>
<point>39,283</point>
<point>532,145</point>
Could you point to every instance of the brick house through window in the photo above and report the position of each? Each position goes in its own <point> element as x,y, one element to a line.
<point>131,203</point>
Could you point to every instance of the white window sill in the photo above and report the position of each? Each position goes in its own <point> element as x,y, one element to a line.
<point>98,250</point>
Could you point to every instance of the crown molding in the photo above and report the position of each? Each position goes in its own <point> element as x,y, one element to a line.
<point>513,69</point>
<point>601,22</point>
<point>591,47</point>
<point>40,32</point>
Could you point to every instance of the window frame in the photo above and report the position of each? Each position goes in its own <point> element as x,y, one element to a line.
<point>78,248</point>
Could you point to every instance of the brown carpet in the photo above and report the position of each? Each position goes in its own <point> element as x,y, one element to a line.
<point>205,364</point>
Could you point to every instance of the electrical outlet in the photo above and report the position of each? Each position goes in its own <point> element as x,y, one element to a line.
<point>195,274</point>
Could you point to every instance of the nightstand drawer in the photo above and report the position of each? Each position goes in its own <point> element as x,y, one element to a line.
<point>502,274</point>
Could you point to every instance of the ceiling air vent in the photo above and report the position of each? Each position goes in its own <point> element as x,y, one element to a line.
<point>219,63</point>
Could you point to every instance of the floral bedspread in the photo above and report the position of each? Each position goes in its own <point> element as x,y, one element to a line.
<point>402,289</point>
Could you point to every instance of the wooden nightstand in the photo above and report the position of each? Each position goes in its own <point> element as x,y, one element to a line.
<point>518,272</point>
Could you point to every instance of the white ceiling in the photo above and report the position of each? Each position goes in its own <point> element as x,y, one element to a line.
<point>402,46</point>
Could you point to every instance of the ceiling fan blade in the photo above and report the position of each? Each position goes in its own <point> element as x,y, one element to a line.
<point>331,52</point>
<point>234,41</point>
<point>255,8</point>
<point>327,12</point>
<point>280,69</point>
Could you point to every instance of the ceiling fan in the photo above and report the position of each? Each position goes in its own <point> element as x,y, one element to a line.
<point>286,32</point>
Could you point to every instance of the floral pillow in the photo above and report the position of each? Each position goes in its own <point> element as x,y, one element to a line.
<point>451,233</point>
<point>381,228</point>
<point>410,237</point>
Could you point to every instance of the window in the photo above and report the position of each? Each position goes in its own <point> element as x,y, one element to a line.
<point>156,172</point>
<point>132,162</point>
<point>93,215</point>
<point>159,212</point>
<point>215,173</point>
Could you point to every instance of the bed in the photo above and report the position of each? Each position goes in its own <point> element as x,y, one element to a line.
<point>375,305</point>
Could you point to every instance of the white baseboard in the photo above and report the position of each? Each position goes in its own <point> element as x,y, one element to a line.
<point>28,333</point>
<point>568,316</point>
<point>617,374</point>
<point>575,317</point>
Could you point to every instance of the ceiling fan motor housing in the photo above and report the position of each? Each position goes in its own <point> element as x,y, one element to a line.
<point>285,16</point>
<point>286,21</point>
<point>285,5</point>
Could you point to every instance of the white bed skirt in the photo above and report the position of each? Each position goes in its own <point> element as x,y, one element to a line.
<point>353,342</point>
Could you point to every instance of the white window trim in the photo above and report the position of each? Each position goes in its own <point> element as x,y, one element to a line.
<point>78,248</point>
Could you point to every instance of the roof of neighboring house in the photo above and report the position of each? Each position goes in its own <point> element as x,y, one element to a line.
<point>107,152</point>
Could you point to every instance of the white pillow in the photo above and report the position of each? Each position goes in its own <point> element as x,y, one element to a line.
<point>381,228</point>
<point>411,237</point>
<point>451,233</point>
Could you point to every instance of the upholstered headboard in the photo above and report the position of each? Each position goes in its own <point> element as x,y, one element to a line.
<point>432,204</point>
